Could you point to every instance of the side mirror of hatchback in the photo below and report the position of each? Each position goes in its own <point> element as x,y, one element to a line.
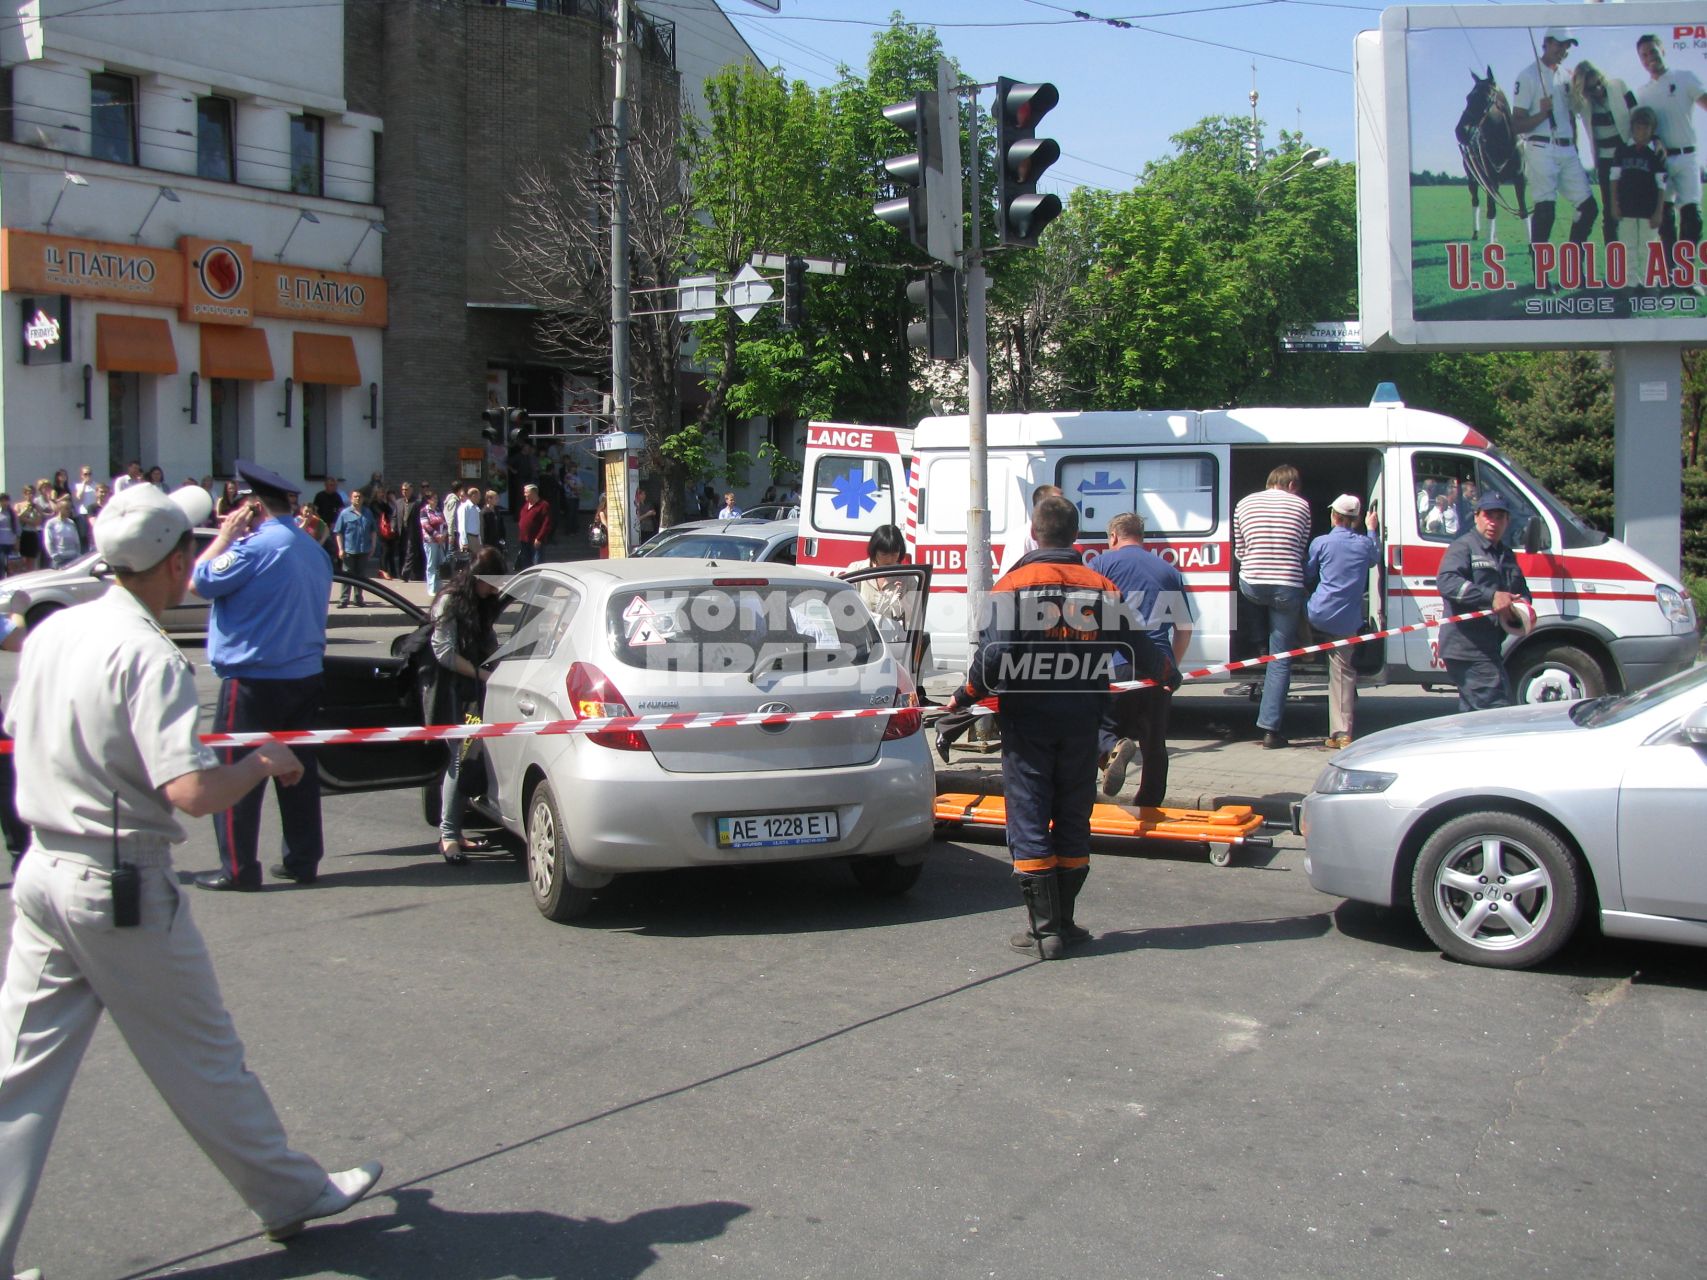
<point>1695,727</point>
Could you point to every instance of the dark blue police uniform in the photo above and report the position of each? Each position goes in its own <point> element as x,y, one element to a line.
<point>1472,569</point>
<point>267,642</point>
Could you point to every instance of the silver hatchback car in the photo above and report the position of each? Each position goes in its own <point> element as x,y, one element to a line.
<point>598,638</point>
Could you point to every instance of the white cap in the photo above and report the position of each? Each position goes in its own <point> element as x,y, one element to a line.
<point>1346,504</point>
<point>1561,34</point>
<point>139,527</point>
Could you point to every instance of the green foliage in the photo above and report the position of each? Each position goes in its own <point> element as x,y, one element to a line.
<point>782,468</point>
<point>1557,424</point>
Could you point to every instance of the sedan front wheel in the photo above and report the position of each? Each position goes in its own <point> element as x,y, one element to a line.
<point>1497,889</point>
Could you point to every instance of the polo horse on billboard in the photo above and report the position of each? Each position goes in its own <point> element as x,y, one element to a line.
<point>1488,144</point>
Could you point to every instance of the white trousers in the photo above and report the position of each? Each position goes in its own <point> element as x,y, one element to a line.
<point>66,964</point>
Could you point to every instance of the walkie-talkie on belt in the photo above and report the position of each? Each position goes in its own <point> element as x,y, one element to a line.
<point>127,883</point>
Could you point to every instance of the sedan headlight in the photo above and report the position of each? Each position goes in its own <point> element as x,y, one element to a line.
<point>1336,781</point>
<point>1677,607</point>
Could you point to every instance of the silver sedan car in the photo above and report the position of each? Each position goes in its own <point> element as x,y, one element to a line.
<point>598,638</point>
<point>1503,829</point>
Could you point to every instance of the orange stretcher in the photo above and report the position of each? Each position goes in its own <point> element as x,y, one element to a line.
<point>1224,829</point>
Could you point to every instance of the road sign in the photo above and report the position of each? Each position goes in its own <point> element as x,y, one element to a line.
<point>698,297</point>
<point>747,292</point>
<point>814,266</point>
<point>1324,335</point>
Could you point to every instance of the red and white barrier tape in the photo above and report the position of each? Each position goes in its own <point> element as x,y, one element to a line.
<point>715,720</point>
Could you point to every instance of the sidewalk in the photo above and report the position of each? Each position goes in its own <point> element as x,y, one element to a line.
<point>1210,760</point>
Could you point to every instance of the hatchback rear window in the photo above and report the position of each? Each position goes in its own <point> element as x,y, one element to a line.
<point>742,630</point>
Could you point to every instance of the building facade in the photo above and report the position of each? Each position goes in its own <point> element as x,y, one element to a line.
<point>190,245</point>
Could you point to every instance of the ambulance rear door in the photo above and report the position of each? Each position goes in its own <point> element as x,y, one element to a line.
<point>855,482</point>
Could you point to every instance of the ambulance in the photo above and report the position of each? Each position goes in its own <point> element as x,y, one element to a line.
<point>1608,618</point>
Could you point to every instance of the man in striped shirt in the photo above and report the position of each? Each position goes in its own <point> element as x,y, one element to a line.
<point>1271,533</point>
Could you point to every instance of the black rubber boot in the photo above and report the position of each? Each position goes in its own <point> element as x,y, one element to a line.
<point>1072,880</point>
<point>1043,907</point>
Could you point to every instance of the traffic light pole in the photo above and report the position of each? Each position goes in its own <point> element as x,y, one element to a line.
<point>622,392</point>
<point>978,566</point>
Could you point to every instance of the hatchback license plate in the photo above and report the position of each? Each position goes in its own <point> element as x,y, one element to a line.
<point>759,830</point>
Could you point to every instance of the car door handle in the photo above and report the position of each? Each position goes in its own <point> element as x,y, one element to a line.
<point>524,706</point>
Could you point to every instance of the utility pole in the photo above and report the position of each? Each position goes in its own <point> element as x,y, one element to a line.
<point>622,389</point>
<point>978,567</point>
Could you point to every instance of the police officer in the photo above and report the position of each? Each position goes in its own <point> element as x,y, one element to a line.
<point>105,718</point>
<point>270,585</point>
<point>1053,628</point>
<point>1480,572</point>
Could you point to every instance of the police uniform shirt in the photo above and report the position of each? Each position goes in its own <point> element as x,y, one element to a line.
<point>105,704</point>
<point>1673,97</point>
<point>1470,572</point>
<point>276,631</point>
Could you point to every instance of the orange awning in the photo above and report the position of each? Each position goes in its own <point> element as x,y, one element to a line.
<point>134,344</point>
<point>231,352</point>
<point>326,357</point>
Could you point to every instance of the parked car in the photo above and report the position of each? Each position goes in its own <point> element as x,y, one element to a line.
<point>742,538</point>
<point>85,579</point>
<point>1502,829</point>
<point>594,638</point>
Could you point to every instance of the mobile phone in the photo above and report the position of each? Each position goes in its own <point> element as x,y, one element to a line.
<point>127,896</point>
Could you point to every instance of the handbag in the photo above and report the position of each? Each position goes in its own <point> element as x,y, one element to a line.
<point>386,532</point>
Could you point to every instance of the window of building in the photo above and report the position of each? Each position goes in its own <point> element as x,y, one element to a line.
<point>112,110</point>
<point>222,417</point>
<point>307,155</point>
<point>313,429</point>
<point>215,154</point>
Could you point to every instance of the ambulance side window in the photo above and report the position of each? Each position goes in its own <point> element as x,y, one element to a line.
<point>949,484</point>
<point>852,494</point>
<point>1175,493</point>
<point>1447,486</point>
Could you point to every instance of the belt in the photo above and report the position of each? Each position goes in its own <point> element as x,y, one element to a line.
<point>1681,151</point>
<point>1557,142</point>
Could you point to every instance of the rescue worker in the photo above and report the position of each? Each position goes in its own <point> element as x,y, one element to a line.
<point>270,586</point>
<point>105,718</point>
<point>1047,647</point>
<point>1480,572</point>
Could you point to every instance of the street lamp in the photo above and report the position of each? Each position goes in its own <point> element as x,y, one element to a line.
<point>71,180</point>
<point>165,193</point>
<point>1313,158</point>
<point>302,216</point>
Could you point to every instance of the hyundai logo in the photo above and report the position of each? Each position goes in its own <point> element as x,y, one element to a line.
<point>774,709</point>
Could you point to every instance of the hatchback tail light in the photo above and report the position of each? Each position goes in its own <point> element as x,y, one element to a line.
<point>907,722</point>
<point>593,697</point>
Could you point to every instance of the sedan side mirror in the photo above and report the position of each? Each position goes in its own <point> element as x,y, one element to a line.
<point>1695,727</point>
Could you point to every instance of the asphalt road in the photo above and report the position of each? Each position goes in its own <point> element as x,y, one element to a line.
<point>765,1073</point>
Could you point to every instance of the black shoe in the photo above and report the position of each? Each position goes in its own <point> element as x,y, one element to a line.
<point>942,746</point>
<point>1274,741</point>
<point>224,880</point>
<point>279,871</point>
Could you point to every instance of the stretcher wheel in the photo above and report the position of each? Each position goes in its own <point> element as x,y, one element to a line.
<point>1220,855</point>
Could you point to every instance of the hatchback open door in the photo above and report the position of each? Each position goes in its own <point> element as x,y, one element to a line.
<point>896,596</point>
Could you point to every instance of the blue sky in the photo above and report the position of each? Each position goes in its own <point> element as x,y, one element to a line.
<point>1124,92</point>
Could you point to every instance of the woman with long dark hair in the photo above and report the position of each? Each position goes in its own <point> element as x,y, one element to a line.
<point>463,615</point>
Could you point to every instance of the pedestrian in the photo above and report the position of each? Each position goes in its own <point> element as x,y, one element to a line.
<point>494,528</point>
<point>328,505</point>
<point>10,531</point>
<point>229,500</point>
<point>409,531</point>
<point>308,520</point>
<point>1271,534</point>
<point>1137,719</point>
<point>266,637</point>
<point>463,616</point>
<point>29,528</point>
<point>533,527</point>
<point>1025,544</point>
<point>131,475</point>
<point>60,539</point>
<point>886,599</point>
<point>157,478</point>
<point>83,492</point>
<point>598,533</point>
<point>728,511</point>
<point>354,536</point>
<point>645,514</point>
<point>468,526</point>
<point>61,485</point>
<point>1046,649</point>
<point>435,539</point>
<point>105,717</point>
<point>1339,563</point>
<point>1479,571</point>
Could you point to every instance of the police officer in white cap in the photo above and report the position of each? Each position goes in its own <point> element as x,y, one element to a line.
<point>105,719</point>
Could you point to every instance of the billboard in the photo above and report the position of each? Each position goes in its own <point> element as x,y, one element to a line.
<point>1494,144</point>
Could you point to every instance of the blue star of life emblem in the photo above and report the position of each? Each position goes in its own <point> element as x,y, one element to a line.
<point>856,494</point>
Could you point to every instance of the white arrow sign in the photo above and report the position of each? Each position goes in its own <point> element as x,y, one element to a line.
<point>747,292</point>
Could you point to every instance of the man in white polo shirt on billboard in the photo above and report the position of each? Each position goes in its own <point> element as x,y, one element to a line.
<point>1674,95</point>
<point>1541,113</point>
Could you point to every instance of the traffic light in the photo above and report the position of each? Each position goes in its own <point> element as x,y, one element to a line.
<point>940,334</point>
<point>1021,158</point>
<point>793,292</point>
<point>518,419</point>
<point>906,211</point>
<point>492,425</point>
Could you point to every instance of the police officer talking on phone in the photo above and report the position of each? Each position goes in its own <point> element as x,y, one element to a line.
<point>269,584</point>
<point>105,719</point>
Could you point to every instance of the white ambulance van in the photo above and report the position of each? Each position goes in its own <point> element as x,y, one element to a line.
<point>1608,619</point>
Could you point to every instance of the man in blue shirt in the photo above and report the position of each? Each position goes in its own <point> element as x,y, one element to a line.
<point>353,534</point>
<point>1339,563</point>
<point>269,584</point>
<point>1136,722</point>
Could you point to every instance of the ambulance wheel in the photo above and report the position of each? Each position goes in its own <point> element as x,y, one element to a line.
<point>886,876</point>
<point>1557,673</point>
<point>1220,855</point>
<point>551,867</point>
